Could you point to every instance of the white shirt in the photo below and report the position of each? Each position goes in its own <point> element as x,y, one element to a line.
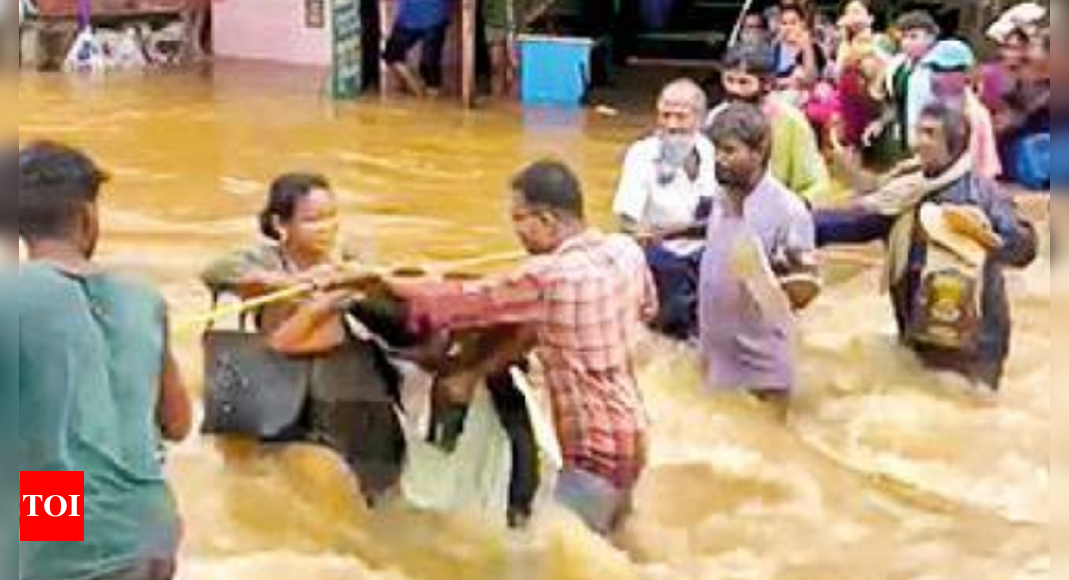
<point>653,202</point>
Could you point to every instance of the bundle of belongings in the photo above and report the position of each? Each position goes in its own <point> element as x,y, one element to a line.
<point>1027,17</point>
<point>130,48</point>
<point>381,403</point>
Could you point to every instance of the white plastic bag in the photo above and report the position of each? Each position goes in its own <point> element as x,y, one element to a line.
<point>475,477</point>
<point>86,54</point>
<point>122,50</point>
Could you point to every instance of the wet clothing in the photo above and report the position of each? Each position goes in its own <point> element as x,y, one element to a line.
<point>653,196</point>
<point>1020,249</point>
<point>600,504</point>
<point>153,570</point>
<point>742,347</point>
<point>987,363</point>
<point>588,302</point>
<point>525,477</point>
<point>352,392</point>
<point>9,419</point>
<point>850,226</point>
<point>676,277</point>
<point>796,159</point>
<point>387,318</point>
<point>91,361</point>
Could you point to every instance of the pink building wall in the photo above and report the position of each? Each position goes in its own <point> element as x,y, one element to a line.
<point>269,30</point>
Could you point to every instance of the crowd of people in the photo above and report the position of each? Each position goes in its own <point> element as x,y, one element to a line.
<point>863,90</point>
<point>721,215</point>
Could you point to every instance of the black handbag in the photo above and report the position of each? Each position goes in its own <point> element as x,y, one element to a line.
<point>250,390</point>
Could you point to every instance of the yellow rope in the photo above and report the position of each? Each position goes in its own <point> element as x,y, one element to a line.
<point>199,321</point>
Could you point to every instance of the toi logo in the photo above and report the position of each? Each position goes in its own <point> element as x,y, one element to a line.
<point>52,507</point>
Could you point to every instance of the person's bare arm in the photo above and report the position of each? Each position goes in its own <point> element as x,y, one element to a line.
<point>490,353</point>
<point>174,412</point>
<point>315,327</point>
<point>810,73</point>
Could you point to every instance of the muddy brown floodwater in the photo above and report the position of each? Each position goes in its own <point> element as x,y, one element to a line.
<point>885,472</point>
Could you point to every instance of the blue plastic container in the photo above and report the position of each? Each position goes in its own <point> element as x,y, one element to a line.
<point>555,70</point>
<point>1033,162</point>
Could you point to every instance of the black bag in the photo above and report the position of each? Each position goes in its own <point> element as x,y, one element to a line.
<point>250,390</point>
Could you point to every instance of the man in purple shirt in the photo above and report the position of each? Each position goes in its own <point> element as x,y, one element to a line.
<point>759,264</point>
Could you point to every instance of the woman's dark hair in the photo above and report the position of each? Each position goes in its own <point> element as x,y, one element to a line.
<point>55,183</point>
<point>745,123</point>
<point>551,185</point>
<point>806,11</point>
<point>798,9</point>
<point>286,192</point>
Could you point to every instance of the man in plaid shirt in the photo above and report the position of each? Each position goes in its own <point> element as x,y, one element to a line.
<point>581,301</point>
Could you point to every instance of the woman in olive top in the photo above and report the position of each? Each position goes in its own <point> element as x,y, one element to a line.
<point>98,389</point>
<point>354,415</point>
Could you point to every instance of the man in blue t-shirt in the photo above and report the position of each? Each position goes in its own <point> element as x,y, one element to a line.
<point>423,22</point>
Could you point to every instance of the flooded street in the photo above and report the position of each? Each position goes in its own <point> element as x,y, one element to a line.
<point>885,472</point>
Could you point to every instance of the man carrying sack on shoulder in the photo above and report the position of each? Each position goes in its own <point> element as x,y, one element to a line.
<point>950,233</point>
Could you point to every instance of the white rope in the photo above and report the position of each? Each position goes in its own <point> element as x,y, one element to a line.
<point>738,23</point>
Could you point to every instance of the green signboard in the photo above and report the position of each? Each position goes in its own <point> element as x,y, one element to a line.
<point>346,35</point>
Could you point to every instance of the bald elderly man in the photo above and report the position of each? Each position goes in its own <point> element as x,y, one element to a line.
<point>668,177</point>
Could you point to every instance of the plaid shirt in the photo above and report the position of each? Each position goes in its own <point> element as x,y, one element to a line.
<point>588,302</point>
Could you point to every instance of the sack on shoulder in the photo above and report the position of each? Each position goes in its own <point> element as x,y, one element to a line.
<point>948,310</point>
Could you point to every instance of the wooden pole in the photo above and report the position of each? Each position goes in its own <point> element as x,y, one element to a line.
<point>467,56</point>
<point>387,14</point>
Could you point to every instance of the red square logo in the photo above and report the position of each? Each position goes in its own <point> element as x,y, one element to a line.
<point>52,506</point>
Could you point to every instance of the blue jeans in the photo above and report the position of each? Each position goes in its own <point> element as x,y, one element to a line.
<point>677,286</point>
<point>600,505</point>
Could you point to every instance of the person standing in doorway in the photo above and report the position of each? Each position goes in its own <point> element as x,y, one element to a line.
<point>424,23</point>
